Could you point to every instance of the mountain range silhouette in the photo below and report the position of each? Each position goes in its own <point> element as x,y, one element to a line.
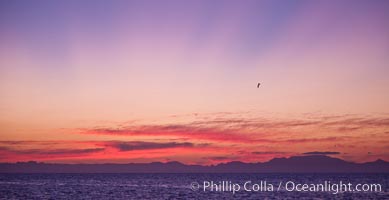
<point>296,164</point>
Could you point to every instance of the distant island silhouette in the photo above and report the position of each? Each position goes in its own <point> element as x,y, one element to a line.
<point>296,164</point>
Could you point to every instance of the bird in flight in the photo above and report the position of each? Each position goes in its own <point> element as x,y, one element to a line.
<point>258,85</point>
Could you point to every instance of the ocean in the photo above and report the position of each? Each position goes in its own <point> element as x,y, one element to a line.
<point>194,186</point>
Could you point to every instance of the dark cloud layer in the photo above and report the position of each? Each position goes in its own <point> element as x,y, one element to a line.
<point>139,145</point>
<point>51,151</point>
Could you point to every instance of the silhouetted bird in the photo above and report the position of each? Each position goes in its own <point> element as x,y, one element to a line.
<point>258,85</point>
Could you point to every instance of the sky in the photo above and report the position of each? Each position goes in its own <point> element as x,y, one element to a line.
<point>158,81</point>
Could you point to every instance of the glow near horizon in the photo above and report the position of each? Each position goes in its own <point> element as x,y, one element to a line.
<point>71,66</point>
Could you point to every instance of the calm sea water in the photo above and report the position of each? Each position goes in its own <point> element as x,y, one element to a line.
<point>179,186</point>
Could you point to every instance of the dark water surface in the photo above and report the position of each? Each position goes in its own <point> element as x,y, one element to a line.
<point>182,186</point>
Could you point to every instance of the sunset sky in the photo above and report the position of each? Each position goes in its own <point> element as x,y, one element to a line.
<point>144,81</point>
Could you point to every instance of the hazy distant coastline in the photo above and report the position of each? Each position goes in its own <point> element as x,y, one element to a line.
<point>296,164</point>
